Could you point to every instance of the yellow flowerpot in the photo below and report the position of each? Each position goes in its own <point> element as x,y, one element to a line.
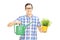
<point>44,28</point>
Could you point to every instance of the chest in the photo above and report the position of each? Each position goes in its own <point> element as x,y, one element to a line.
<point>27,21</point>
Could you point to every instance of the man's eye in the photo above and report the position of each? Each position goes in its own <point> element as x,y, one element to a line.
<point>28,8</point>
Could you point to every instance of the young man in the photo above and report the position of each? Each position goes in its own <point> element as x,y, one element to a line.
<point>31,30</point>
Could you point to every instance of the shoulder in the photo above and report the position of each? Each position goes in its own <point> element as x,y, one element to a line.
<point>36,17</point>
<point>21,16</point>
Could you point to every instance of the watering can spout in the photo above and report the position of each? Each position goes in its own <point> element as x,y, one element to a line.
<point>28,24</point>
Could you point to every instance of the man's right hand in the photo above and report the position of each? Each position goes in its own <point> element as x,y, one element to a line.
<point>13,22</point>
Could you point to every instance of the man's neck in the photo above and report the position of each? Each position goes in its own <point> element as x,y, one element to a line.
<point>29,15</point>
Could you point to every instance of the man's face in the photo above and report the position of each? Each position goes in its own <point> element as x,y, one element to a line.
<point>28,9</point>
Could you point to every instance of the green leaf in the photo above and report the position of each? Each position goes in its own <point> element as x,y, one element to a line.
<point>45,22</point>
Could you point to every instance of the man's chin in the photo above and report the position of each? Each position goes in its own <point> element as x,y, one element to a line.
<point>29,14</point>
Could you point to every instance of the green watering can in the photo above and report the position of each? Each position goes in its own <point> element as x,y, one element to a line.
<point>20,29</point>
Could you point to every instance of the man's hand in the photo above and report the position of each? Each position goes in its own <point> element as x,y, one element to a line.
<point>13,22</point>
<point>10,24</point>
<point>40,30</point>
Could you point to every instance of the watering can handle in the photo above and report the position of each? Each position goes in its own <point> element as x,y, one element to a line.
<point>15,27</point>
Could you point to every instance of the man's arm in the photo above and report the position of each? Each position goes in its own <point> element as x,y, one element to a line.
<point>13,22</point>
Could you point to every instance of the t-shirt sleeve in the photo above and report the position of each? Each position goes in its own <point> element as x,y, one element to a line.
<point>38,23</point>
<point>19,19</point>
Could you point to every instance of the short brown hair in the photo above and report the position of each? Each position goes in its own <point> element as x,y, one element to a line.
<point>28,4</point>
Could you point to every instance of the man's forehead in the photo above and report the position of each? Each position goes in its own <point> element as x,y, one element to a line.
<point>28,6</point>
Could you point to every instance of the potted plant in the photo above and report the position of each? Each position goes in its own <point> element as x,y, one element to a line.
<point>45,24</point>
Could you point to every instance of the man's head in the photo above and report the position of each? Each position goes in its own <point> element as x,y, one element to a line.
<point>28,8</point>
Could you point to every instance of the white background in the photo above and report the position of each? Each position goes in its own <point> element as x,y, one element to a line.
<point>12,9</point>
